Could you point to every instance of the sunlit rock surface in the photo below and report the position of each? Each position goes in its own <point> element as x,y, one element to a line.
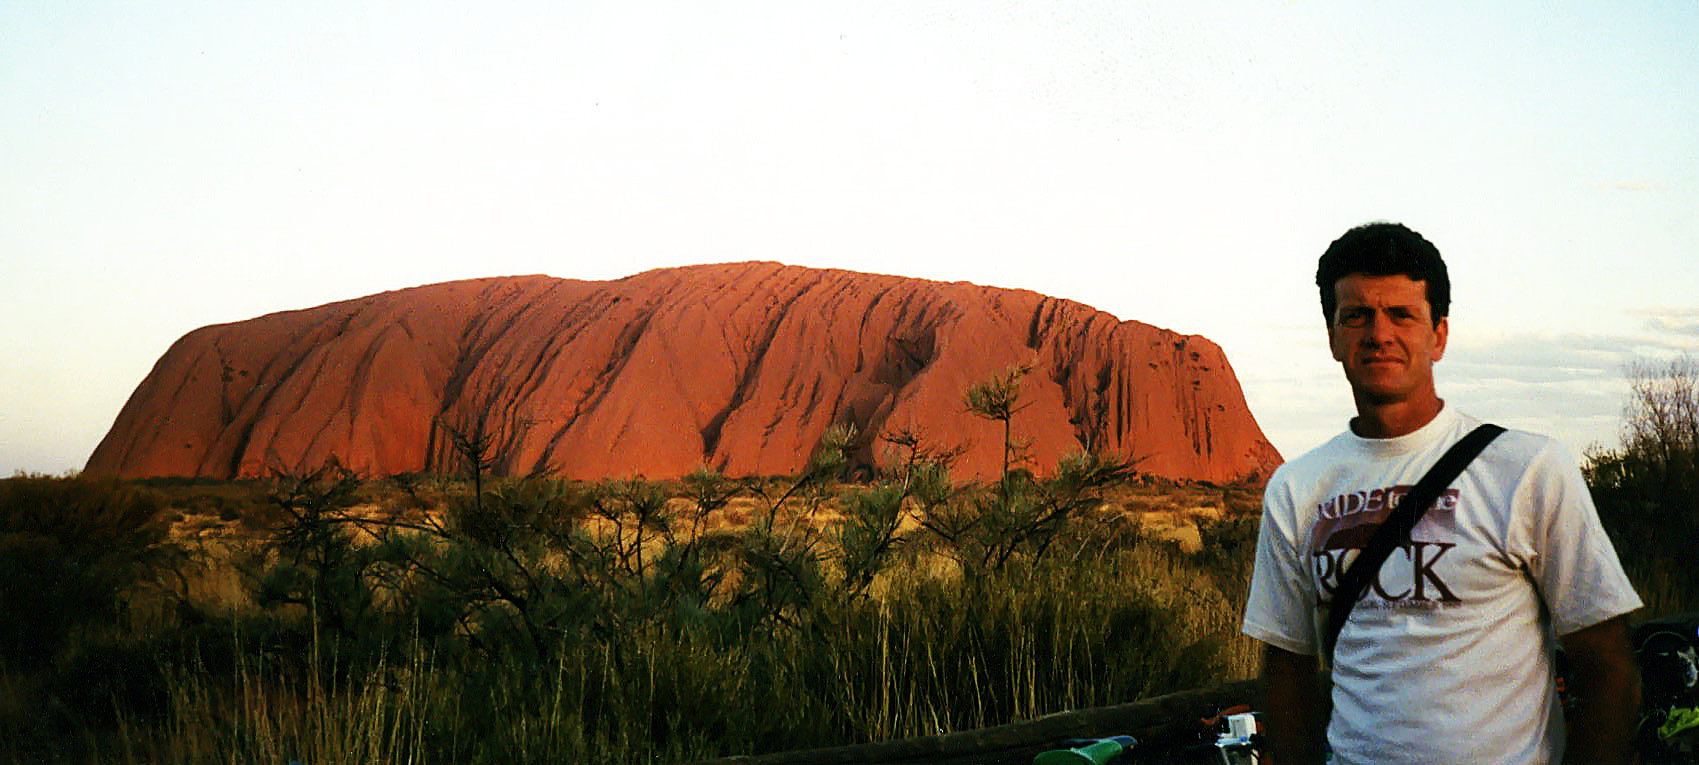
<point>738,366</point>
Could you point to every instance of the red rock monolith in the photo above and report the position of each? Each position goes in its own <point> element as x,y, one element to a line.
<point>740,367</point>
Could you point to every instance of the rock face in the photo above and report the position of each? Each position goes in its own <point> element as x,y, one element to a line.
<point>737,366</point>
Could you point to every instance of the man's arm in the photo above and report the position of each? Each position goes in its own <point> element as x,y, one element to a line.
<point>1605,685</point>
<point>1292,705</point>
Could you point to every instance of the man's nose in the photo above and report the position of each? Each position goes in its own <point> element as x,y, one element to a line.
<point>1380,329</point>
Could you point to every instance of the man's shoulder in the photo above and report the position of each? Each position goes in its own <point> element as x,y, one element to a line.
<point>1530,450</point>
<point>1294,484</point>
<point>1321,458</point>
<point>1524,456</point>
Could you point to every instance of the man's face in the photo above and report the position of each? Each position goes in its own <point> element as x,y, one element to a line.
<point>1384,336</point>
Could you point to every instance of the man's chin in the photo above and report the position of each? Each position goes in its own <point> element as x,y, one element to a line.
<point>1380,394</point>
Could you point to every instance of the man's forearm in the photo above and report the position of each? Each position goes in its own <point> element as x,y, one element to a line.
<point>1292,706</point>
<point>1605,685</point>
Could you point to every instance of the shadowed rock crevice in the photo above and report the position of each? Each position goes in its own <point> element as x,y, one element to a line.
<point>757,353</point>
<point>742,366</point>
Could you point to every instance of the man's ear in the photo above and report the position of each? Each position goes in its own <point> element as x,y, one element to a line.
<point>1442,330</point>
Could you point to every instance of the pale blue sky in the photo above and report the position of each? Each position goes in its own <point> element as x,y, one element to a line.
<point>164,166</point>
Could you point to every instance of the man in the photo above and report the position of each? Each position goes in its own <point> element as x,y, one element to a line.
<point>1448,655</point>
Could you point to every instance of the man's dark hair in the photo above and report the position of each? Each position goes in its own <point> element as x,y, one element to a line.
<point>1384,249</point>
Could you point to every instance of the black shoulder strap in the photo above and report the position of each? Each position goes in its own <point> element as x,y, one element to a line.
<point>1395,530</point>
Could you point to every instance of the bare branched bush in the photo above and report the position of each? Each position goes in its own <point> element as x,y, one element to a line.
<point>1647,489</point>
<point>910,449</point>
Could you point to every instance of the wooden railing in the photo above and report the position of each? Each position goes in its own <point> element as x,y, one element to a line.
<point>1161,724</point>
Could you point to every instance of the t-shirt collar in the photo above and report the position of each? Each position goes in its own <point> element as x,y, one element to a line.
<point>1415,440</point>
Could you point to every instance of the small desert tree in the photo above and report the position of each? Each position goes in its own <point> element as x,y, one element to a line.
<point>474,443</point>
<point>998,398</point>
<point>310,559</point>
<point>911,452</point>
<point>1022,517</point>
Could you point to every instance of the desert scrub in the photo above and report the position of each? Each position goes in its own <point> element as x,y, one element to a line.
<point>551,621</point>
<point>72,552</point>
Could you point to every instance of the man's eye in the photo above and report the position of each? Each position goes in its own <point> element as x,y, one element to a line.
<point>1354,318</point>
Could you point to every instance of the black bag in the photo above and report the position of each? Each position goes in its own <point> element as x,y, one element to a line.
<point>1395,530</point>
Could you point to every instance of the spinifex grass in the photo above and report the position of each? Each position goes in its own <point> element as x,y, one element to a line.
<point>545,621</point>
<point>1116,619</point>
<point>260,713</point>
<point>930,655</point>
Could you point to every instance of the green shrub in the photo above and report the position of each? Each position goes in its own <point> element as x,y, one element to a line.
<point>71,550</point>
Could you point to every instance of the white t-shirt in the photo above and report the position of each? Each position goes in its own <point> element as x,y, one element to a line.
<point>1448,656</point>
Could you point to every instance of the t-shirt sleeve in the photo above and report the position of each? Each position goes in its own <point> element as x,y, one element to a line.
<point>1280,608</point>
<point>1571,559</point>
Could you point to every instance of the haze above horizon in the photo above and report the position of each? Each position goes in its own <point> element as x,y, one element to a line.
<point>169,167</point>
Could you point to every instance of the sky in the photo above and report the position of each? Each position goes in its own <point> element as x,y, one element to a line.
<point>165,166</point>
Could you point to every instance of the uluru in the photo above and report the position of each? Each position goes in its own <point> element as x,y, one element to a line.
<point>740,367</point>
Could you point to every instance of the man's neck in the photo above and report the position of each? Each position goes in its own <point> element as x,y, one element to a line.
<point>1391,420</point>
